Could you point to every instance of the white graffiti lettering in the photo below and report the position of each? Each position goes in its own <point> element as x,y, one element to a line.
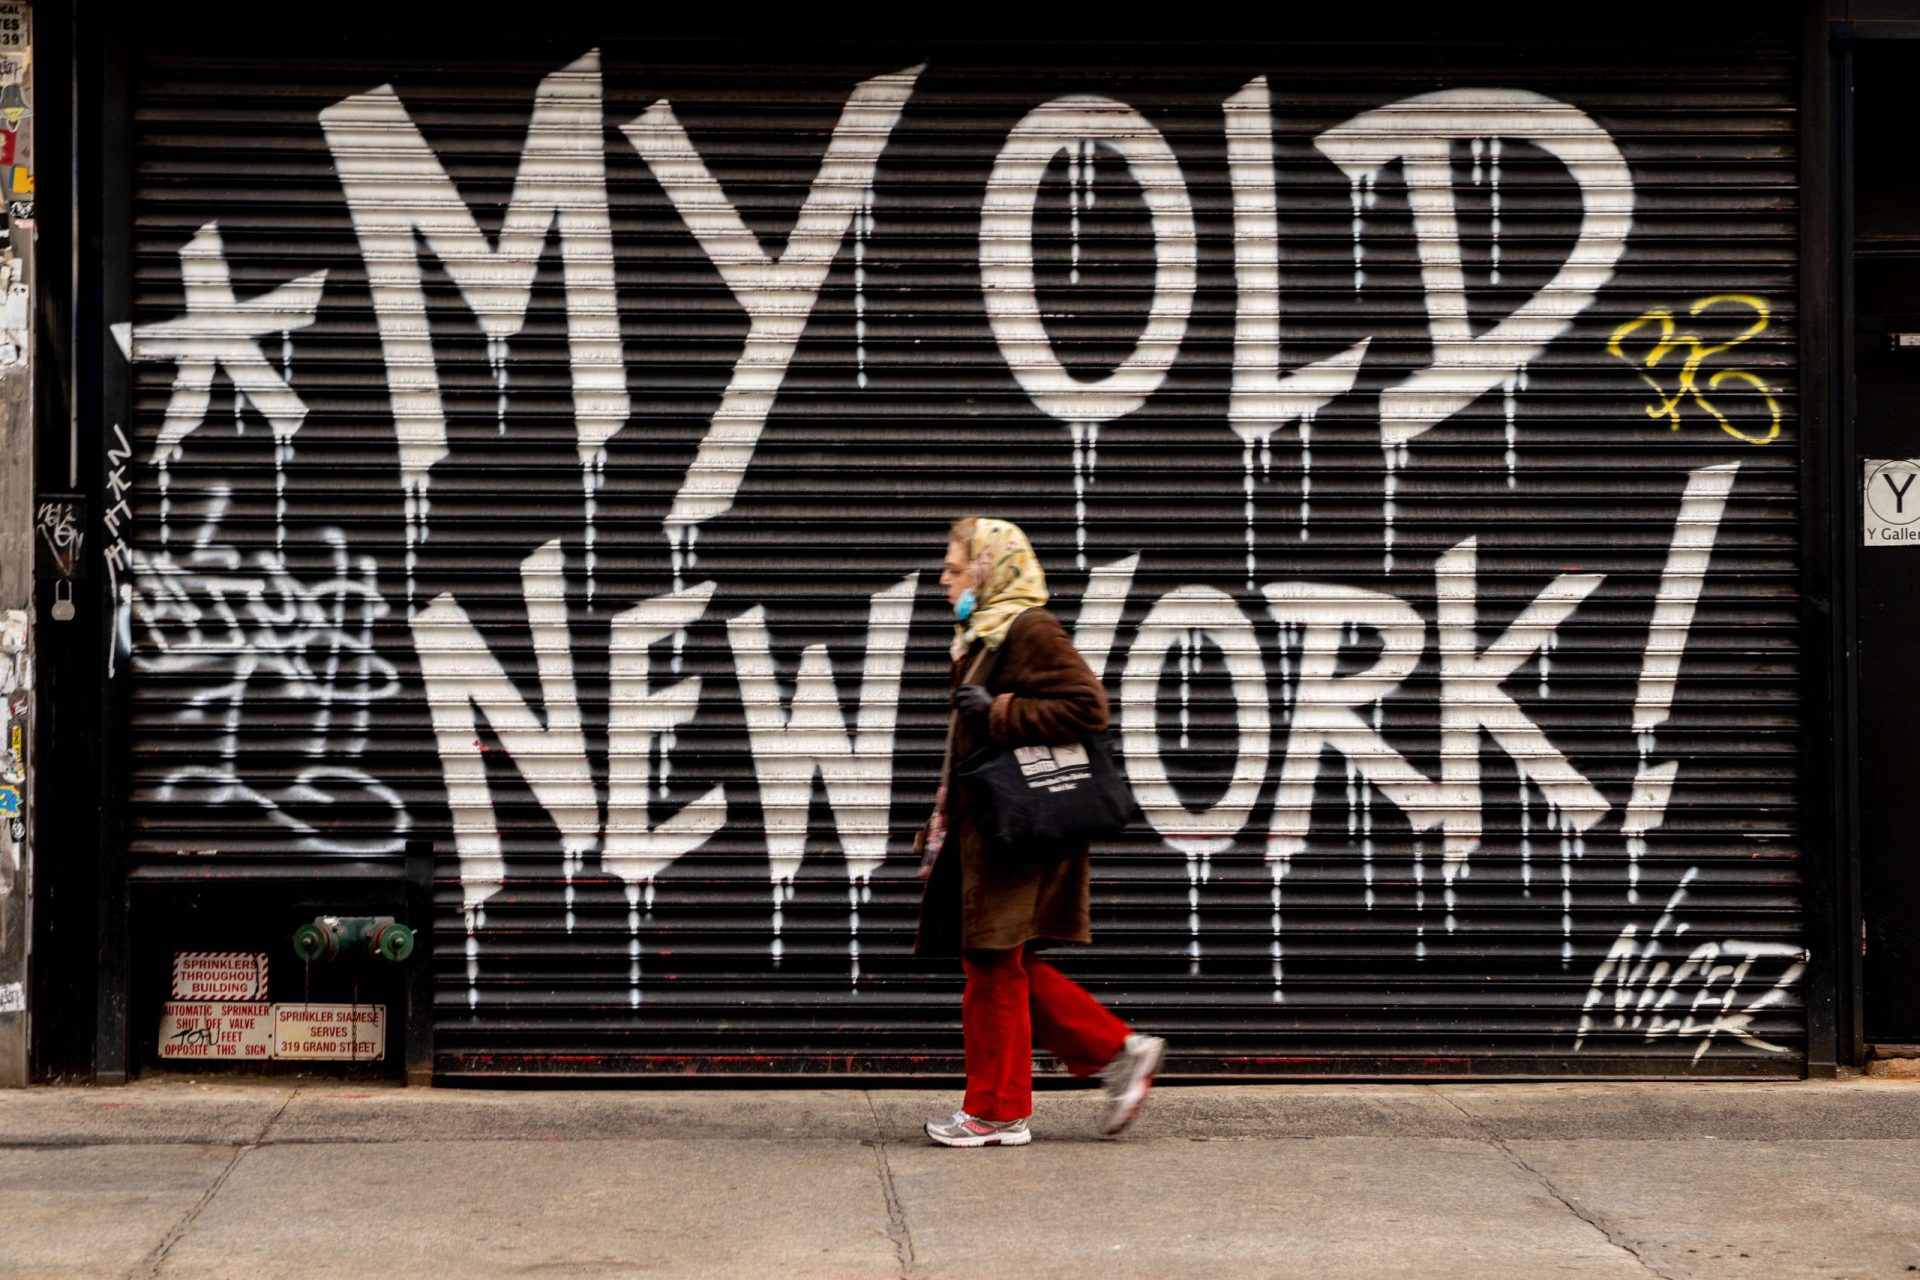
<point>1471,698</point>
<point>1419,132</point>
<point>1690,997</point>
<point>398,192</point>
<point>1695,530</point>
<point>1191,617</point>
<point>778,294</point>
<point>1263,399</point>
<point>1008,285</point>
<point>224,628</point>
<point>1342,649</point>
<point>465,681</point>
<point>59,527</point>
<point>808,738</point>
<point>117,521</point>
<point>222,331</point>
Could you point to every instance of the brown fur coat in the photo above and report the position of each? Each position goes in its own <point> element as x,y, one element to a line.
<point>977,900</point>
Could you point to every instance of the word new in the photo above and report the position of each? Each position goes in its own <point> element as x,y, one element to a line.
<point>1329,678</point>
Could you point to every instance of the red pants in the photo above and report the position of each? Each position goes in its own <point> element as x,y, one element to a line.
<point>1011,998</point>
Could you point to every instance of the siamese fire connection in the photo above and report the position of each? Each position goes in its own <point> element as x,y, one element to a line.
<point>325,937</point>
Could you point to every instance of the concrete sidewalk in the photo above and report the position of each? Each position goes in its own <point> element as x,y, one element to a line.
<point>183,1179</point>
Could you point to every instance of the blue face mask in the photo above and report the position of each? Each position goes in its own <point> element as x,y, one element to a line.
<point>963,607</point>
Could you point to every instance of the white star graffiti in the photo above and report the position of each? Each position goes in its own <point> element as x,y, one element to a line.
<point>221,330</point>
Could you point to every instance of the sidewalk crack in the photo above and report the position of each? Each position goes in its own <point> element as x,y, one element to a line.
<point>260,1138</point>
<point>1519,1162</point>
<point>158,1258</point>
<point>898,1230</point>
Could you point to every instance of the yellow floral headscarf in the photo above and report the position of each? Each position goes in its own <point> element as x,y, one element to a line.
<point>1011,582</point>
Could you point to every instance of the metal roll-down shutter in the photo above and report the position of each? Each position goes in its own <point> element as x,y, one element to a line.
<point>1410,436</point>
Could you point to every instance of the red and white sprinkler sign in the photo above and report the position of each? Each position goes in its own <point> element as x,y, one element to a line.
<point>220,975</point>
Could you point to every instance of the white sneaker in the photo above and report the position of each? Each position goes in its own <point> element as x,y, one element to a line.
<point>1129,1076</point>
<point>964,1130</point>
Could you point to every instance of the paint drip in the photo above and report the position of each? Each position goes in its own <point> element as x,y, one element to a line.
<point>857,892</point>
<point>282,455</point>
<point>1353,800</point>
<point>1278,953</point>
<point>497,360</point>
<point>1396,459</point>
<point>1510,388</point>
<point>1526,839</point>
<point>1086,457</point>
<point>164,480</point>
<point>633,937</point>
<point>1567,842</point>
<point>1637,844</point>
<point>1366,837</point>
<point>571,861</point>
<point>476,921</point>
<point>782,893</point>
<point>1361,191</point>
<point>1249,510</point>
<point>1450,872</point>
<point>677,552</point>
<point>1076,159</point>
<point>1246,469</point>
<point>1193,914</point>
<point>1395,456</point>
<point>1493,188</point>
<point>414,511</point>
<point>1306,474</point>
<point>1286,673</point>
<point>1419,901</point>
<point>1189,661</point>
<point>863,226</point>
<point>593,478</point>
<point>682,548</point>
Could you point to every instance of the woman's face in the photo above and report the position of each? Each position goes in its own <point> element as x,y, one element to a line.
<point>958,574</point>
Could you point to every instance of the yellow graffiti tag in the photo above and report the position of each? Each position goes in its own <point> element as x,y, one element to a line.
<point>1672,338</point>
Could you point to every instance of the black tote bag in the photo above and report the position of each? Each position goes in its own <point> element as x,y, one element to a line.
<point>1039,800</point>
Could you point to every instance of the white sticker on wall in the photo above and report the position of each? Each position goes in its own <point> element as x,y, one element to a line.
<point>1890,502</point>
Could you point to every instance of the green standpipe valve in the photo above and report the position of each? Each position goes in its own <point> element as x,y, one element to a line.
<point>315,941</point>
<point>325,936</point>
<point>391,941</point>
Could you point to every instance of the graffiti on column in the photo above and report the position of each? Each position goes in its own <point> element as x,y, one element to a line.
<point>573,711</point>
<point>16,682</point>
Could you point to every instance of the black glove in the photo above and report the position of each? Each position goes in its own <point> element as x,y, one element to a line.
<point>972,700</point>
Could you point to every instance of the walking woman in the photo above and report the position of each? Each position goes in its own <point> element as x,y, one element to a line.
<point>1017,680</point>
